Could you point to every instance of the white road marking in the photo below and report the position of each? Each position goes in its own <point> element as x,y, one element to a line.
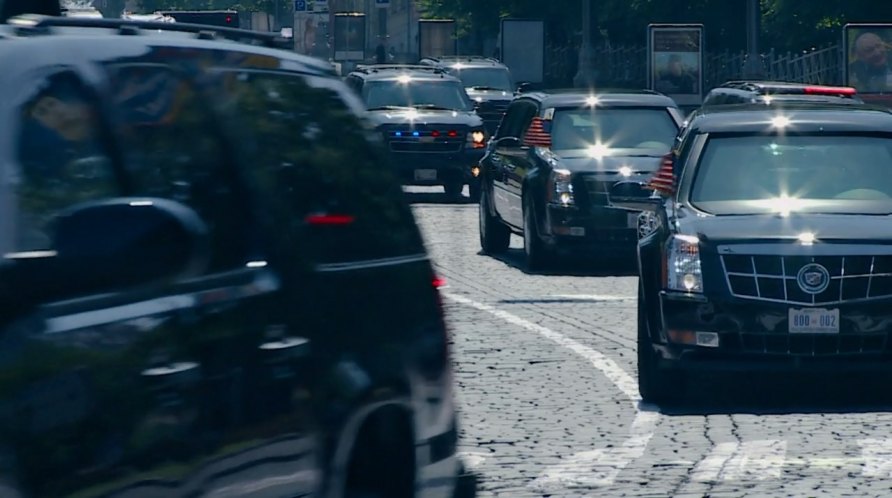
<point>877,457</point>
<point>744,461</point>
<point>594,467</point>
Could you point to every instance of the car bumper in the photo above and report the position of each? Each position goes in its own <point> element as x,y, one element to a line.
<point>419,168</point>
<point>736,335</point>
<point>602,231</point>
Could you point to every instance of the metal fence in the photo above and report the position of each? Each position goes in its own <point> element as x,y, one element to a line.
<point>626,66</point>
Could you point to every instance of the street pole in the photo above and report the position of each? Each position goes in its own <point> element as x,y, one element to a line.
<point>584,71</point>
<point>753,27</point>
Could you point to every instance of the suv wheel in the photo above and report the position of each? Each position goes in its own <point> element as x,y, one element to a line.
<point>537,255</point>
<point>474,189</point>
<point>656,385</point>
<point>453,189</point>
<point>495,237</point>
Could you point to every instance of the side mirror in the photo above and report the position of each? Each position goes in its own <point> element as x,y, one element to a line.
<point>634,196</point>
<point>527,86</point>
<point>507,142</point>
<point>105,245</point>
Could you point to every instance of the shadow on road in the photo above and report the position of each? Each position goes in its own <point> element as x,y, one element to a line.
<point>571,266</point>
<point>779,393</point>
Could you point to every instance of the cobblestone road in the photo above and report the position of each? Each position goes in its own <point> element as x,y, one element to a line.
<point>549,407</point>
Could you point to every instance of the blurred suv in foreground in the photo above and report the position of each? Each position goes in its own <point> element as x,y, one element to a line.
<point>211,284</point>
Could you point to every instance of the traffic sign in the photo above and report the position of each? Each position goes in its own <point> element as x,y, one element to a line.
<point>300,5</point>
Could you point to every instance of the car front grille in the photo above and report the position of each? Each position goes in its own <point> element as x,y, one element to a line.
<point>425,138</point>
<point>432,147</point>
<point>776,278</point>
<point>812,344</point>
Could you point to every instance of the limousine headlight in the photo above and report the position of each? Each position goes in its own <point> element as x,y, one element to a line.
<point>682,270</point>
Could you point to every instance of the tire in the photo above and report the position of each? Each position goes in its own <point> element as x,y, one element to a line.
<point>537,255</point>
<point>495,237</point>
<point>453,189</point>
<point>465,484</point>
<point>655,385</point>
<point>474,189</point>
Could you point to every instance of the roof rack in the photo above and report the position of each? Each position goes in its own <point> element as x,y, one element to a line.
<point>38,23</point>
<point>458,58</point>
<point>374,68</point>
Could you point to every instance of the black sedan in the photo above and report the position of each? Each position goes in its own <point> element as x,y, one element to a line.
<point>547,172</point>
<point>775,249</point>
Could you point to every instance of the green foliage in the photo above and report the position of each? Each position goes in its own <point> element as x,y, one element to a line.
<point>786,24</point>
<point>241,5</point>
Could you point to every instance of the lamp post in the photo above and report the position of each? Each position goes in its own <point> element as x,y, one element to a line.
<point>584,68</point>
<point>753,27</point>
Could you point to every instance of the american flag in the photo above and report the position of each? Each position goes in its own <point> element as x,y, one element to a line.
<point>537,135</point>
<point>663,180</point>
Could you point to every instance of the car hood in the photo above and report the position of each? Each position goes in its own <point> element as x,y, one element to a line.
<point>425,117</point>
<point>487,95</point>
<point>776,228</point>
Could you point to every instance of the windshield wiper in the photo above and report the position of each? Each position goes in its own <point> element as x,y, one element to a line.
<point>389,108</point>
<point>434,107</point>
<point>483,87</point>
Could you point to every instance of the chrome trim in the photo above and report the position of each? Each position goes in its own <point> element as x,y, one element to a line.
<point>371,263</point>
<point>793,248</point>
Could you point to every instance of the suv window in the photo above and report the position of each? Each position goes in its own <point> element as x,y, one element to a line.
<point>484,78</point>
<point>312,159</point>
<point>173,149</point>
<point>62,154</point>
<point>443,94</point>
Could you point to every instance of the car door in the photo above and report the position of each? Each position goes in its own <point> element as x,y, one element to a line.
<point>248,430</point>
<point>506,156</point>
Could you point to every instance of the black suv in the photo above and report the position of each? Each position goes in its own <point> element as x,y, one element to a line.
<point>548,170</point>
<point>488,82</point>
<point>428,123</point>
<point>195,235</point>
<point>774,250</point>
<point>777,92</point>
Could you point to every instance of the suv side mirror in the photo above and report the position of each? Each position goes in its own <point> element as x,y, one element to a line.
<point>527,86</point>
<point>634,196</point>
<point>105,245</point>
<point>510,142</point>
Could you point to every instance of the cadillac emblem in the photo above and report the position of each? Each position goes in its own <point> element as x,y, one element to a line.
<point>813,278</point>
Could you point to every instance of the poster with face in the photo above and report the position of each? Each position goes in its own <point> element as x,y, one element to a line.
<point>676,61</point>
<point>868,48</point>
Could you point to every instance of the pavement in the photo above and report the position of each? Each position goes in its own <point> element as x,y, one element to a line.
<point>546,384</point>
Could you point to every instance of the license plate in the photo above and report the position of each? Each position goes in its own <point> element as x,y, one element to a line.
<point>426,140</point>
<point>632,220</point>
<point>814,321</point>
<point>425,174</point>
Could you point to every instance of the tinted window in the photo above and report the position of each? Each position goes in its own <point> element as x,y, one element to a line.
<point>328,186</point>
<point>485,78</point>
<point>756,174</point>
<point>63,157</point>
<point>447,94</point>
<point>172,149</point>
<point>516,119</point>
<point>649,130</point>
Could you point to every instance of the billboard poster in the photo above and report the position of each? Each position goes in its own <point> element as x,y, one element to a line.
<point>522,47</point>
<point>311,33</point>
<point>349,36</point>
<point>437,37</point>
<point>675,61</point>
<point>867,48</point>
